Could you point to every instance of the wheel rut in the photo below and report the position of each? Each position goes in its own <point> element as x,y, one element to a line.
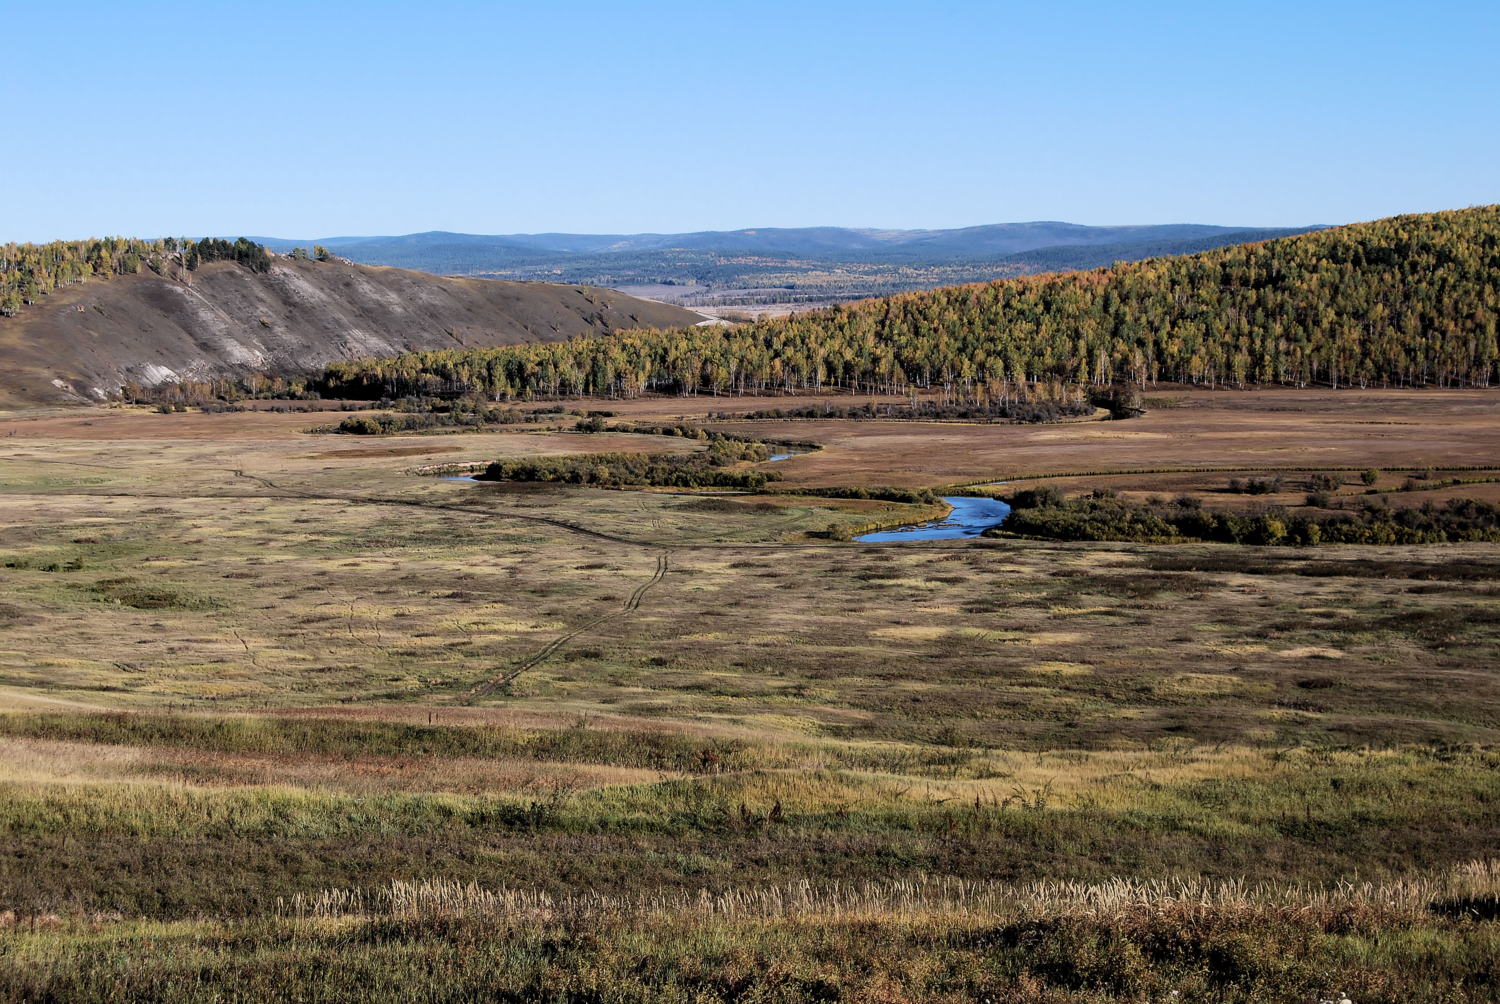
<point>447,507</point>
<point>632,603</point>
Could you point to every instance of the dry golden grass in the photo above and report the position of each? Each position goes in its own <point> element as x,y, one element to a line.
<point>50,762</point>
<point>234,562</point>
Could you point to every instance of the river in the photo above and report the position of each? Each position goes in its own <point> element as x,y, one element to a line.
<point>970,517</point>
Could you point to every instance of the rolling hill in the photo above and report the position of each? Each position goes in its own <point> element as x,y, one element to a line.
<point>1404,301</point>
<point>82,341</point>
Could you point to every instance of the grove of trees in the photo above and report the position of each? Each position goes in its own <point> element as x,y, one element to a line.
<point>29,271</point>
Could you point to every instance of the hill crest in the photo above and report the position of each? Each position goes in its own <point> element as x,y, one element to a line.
<point>83,341</point>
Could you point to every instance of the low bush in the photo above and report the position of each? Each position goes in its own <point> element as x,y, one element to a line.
<point>415,415</point>
<point>1256,486</point>
<point>909,496</point>
<point>1043,512</point>
<point>615,470</point>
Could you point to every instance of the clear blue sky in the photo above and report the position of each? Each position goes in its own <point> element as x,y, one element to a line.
<point>324,119</point>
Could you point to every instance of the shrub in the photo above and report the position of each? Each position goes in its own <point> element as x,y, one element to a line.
<point>1327,482</point>
<point>416,414</point>
<point>1037,498</point>
<point>613,470</point>
<point>909,496</point>
<point>1117,519</point>
<point>361,426</point>
<point>1256,486</point>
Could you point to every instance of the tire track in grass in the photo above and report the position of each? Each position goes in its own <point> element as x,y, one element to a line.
<point>447,507</point>
<point>663,565</point>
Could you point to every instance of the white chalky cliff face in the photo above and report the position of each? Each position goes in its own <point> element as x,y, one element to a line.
<point>226,321</point>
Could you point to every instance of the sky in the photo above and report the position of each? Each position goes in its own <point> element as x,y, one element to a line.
<point>306,120</point>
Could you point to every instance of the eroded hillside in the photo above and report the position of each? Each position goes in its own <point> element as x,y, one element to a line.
<point>84,341</point>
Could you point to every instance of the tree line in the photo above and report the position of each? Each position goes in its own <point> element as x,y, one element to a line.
<point>1071,402</point>
<point>1399,302</point>
<point>31,271</point>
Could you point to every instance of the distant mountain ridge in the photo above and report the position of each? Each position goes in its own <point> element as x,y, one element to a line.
<point>992,240</point>
<point>807,266</point>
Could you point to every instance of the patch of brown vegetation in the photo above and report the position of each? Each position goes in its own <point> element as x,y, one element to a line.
<point>385,451</point>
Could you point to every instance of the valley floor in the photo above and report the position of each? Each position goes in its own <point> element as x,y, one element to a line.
<point>246,664</point>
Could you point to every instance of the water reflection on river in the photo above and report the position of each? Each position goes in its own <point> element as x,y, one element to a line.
<point>970,517</point>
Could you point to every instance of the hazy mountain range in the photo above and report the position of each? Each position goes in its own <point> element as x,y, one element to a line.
<point>994,240</point>
<point>802,265</point>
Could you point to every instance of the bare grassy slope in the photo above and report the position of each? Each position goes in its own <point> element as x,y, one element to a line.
<point>228,321</point>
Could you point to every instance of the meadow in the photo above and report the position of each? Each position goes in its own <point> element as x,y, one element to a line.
<point>287,718</point>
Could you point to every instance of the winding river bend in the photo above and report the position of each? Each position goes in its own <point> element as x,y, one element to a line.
<point>970,517</point>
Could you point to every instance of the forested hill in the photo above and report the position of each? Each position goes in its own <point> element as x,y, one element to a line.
<point>1409,300</point>
<point>80,319</point>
